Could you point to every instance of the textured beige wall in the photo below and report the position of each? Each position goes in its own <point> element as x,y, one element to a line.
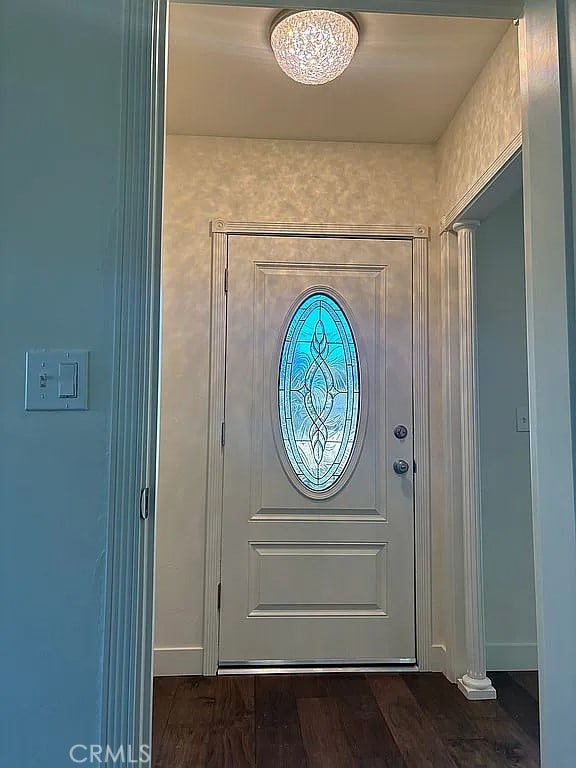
<point>487,122</point>
<point>246,179</point>
<point>312,182</point>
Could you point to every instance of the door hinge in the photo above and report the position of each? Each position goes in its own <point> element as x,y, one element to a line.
<point>145,503</point>
<point>219,595</point>
<point>223,434</point>
<point>226,280</point>
<point>414,466</point>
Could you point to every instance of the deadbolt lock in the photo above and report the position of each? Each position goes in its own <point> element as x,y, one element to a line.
<point>400,432</point>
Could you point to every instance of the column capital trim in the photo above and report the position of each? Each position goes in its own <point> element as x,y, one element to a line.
<point>466,224</point>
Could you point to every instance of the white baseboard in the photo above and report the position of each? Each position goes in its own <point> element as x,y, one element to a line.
<point>438,658</point>
<point>170,662</point>
<point>510,657</point>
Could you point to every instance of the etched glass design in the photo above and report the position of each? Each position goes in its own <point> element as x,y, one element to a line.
<point>319,392</point>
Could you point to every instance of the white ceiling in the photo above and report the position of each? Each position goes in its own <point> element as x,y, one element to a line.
<point>408,77</point>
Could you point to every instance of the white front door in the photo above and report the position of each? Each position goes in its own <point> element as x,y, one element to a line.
<point>318,522</point>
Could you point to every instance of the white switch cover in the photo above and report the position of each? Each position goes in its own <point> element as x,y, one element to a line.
<point>57,380</point>
<point>522,419</point>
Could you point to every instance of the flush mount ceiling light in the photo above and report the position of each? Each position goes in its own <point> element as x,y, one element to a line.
<point>314,47</point>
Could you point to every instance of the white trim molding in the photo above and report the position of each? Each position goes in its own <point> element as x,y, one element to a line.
<point>221,230</point>
<point>126,693</point>
<point>438,658</point>
<point>172,662</point>
<point>474,684</point>
<point>511,657</point>
<point>507,154</point>
<point>548,118</point>
<point>452,587</point>
<point>422,522</point>
<point>215,451</point>
<point>219,226</point>
<point>482,9</point>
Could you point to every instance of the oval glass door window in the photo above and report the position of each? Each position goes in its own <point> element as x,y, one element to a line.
<point>319,393</point>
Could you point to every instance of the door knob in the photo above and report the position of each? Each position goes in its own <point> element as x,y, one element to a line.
<point>400,431</point>
<point>401,466</point>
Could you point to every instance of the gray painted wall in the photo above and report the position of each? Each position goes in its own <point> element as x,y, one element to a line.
<point>505,461</point>
<point>59,144</point>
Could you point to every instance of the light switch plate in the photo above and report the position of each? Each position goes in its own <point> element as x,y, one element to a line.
<point>52,378</point>
<point>522,419</point>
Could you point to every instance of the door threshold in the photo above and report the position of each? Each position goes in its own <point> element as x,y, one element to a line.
<point>315,670</point>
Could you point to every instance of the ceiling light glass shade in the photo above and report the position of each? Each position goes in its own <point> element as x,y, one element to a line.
<point>314,47</point>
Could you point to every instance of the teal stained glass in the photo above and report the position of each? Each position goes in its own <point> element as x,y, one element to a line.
<point>319,392</point>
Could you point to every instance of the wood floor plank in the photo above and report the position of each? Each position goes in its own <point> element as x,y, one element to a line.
<point>160,713</point>
<point>342,684</point>
<point>370,739</point>
<point>280,746</point>
<point>413,732</point>
<point>440,699</point>
<point>278,736</point>
<point>161,706</point>
<point>518,703</point>
<point>231,743</point>
<point>366,721</point>
<point>529,681</point>
<point>513,746</point>
<point>503,739</point>
<point>479,710</point>
<point>165,686</point>
<point>311,686</point>
<point>475,753</point>
<point>508,744</point>
<point>194,701</point>
<point>184,746</point>
<point>322,734</point>
<point>275,703</point>
<point>186,737</point>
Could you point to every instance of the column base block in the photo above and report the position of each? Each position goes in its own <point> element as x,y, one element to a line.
<point>476,690</point>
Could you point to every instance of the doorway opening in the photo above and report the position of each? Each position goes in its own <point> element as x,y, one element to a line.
<point>504,428</point>
<point>384,146</point>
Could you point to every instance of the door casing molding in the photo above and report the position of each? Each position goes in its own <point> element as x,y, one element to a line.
<point>419,235</point>
<point>128,619</point>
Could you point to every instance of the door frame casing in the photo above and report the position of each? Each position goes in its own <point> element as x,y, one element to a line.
<point>128,617</point>
<point>221,231</point>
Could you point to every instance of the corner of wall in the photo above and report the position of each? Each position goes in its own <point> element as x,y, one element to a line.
<point>483,134</point>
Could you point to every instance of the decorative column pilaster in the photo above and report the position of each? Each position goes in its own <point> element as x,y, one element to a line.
<point>474,684</point>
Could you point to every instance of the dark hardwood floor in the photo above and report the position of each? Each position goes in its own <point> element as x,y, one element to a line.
<point>412,720</point>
